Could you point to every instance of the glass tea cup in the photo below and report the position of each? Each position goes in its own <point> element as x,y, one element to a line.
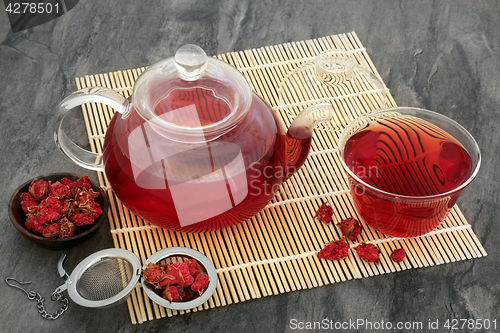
<point>406,168</point>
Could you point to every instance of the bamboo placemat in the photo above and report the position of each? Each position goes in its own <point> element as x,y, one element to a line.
<point>275,251</point>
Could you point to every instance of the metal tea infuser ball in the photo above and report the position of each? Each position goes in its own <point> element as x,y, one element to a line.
<point>106,278</point>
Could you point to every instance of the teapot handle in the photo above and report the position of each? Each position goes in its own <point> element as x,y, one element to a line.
<point>77,154</point>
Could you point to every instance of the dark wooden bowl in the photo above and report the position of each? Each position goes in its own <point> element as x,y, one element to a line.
<point>18,216</point>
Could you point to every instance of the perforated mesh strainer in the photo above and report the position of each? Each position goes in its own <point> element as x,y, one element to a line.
<point>102,279</point>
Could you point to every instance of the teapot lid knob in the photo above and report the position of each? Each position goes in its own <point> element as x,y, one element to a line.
<point>190,61</point>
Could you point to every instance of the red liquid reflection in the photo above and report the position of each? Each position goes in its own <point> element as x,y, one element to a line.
<point>405,157</point>
<point>196,187</point>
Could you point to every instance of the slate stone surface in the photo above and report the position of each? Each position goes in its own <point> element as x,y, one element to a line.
<point>441,55</point>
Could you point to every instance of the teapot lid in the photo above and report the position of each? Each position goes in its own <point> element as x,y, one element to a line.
<point>191,97</point>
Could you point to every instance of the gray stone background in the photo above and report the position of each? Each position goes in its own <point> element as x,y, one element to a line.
<point>438,55</point>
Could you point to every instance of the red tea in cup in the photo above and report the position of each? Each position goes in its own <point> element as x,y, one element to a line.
<point>406,169</point>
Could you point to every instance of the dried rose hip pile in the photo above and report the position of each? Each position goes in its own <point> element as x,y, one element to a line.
<point>56,210</point>
<point>177,281</point>
<point>350,228</point>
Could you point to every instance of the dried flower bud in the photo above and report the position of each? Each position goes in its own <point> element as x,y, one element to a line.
<point>71,185</point>
<point>398,255</point>
<point>66,228</point>
<point>335,250</point>
<point>50,231</point>
<point>28,203</point>
<point>324,213</point>
<point>32,223</point>
<point>177,274</point>
<point>46,214</point>
<point>52,203</point>
<point>187,294</point>
<point>67,208</point>
<point>194,267</point>
<point>350,228</point>
<point>200,283</point>
<point>171,293</point>
<point>60,191</point>
<point>84,182</point>
<point>39,189</point>
<point>84,204</point>
<point>368,252</point>
<point>82,219</point>
<point>153,273</point>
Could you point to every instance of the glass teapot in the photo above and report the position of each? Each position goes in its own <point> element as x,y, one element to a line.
<point>193,149</point>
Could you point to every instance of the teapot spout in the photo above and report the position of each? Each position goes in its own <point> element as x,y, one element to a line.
<point>299,135</point>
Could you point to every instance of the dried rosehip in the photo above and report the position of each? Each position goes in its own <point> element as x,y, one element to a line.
<point>350,228</point>
<point>335,250</point>
<point>177,274</point>
<point>171,293</point>
<point>83,197</point>
<point>67,209</point>
<point>52,230</point>
<point>52,203</point>
<point>398,255</point>
<point>153,273</point>
<point>84,182</point>
<point>60,191</point>
<point>200,283</point>
<point>33,224</point>
<point>26,196</point>
<point>324,213</point>
<point>39,189</point>
<point>194,267</point>
<point>83,219</point>
<point>66,228</point>
<point>28,203</point>
<point>368,252</point>
<point>71,185</point>
<point>186,273</point>
<point>46,214</point>
<point>83,210</point>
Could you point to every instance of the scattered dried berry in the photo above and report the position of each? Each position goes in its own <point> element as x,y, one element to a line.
<point>350,228</point>
<point>324,213</point>
<point>368,252</point>
<point>335,250</point>
<point>398,255</point>
<point>54,210</point>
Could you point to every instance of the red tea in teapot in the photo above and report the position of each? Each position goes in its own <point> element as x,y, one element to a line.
<point>200,186</point>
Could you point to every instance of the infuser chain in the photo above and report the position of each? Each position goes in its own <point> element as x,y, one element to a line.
<point>32,295</point>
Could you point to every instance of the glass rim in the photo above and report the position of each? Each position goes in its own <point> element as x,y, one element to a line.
<point>343,137</point>
<point>323,58</point>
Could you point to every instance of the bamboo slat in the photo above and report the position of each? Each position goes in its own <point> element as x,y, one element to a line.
<point>275,251</point>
